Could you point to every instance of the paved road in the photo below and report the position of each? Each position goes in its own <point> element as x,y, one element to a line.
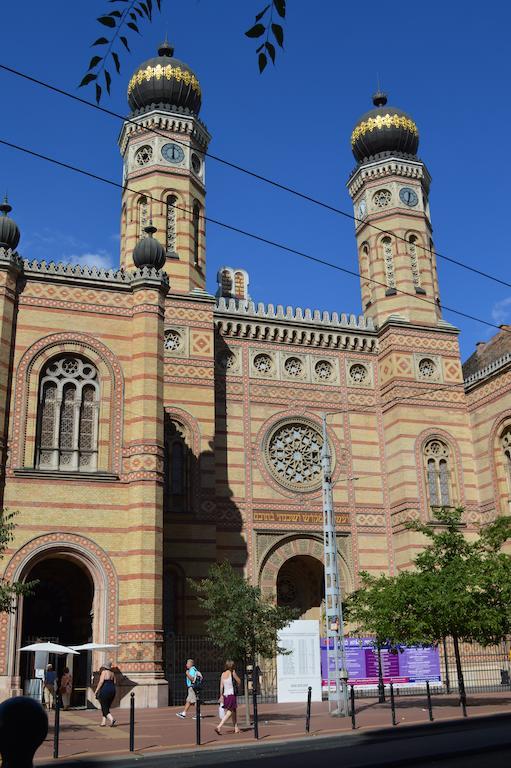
<point>482,741</point>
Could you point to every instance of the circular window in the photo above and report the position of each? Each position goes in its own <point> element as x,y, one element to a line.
<point>427,368</point>
<point>358,373</point>
<point>293,455</point>
<point>226,360</point>
<point>323,370</point>
<point>172,341</point>
<point>382,198</point>
<point>293,366</point>
<point>144,155</point>
<point>263,363</point>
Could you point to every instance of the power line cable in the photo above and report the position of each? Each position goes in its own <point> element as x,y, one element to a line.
<point>253,174</point>
<point>252,235</point>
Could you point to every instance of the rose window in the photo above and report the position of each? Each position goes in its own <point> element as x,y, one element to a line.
<point>382,198</point>
<point>227,360</point>
<point>358,373</point>
<point>293,453</point>
<point>172,341</point>
<point>323,370</point>
<point>263,363</point>
<point>293,366</point>
<point>427,368</point>
<point>144,155</point>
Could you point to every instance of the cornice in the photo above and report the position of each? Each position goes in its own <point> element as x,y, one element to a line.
<point>479,377</point>
<point>158,118</point>
<point>397,321</point>
<point>246,320</point>
<point>388,166</point>
<point>10,259</point>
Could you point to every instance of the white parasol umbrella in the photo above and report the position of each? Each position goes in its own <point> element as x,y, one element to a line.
<point>94,647</point>
<point>50,648</point>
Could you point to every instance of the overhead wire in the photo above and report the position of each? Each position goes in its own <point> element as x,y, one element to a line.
<point>246,233</point>
<point>255,175</point>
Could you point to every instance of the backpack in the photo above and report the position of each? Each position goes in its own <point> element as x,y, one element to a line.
<point>198,682</point>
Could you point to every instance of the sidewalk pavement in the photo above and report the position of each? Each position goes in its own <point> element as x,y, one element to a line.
<point>159,730</point>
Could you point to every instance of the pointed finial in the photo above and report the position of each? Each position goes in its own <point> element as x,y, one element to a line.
<point>150,229</point>
<point>5,207</point>
<point>166,49</point>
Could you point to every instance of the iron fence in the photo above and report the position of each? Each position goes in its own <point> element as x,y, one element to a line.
<point>484,669</point>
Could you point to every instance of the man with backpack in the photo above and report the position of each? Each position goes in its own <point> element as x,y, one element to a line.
<point>193,684</point>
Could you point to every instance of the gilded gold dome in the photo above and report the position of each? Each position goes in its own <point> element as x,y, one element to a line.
<point>384,130</point>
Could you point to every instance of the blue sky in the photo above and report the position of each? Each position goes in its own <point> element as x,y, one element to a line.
<point>447,64</point>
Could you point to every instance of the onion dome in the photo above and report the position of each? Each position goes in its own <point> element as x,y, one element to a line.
<point>164,80</point>
<point>384,130</point>
<point>149,252</point>
<point>9,232</point>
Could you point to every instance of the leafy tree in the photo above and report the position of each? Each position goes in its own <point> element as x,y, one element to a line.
<point>460,588</point>
<point>118,24</point>
<point>10,591</point>
<point>241,621</point>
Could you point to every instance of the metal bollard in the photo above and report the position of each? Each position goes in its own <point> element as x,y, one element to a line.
<point>393,705</point>
<point>56,729</point>
<point>256,713</point>
<point>132,722</point>
<point>463,700</point>
<point>308,716</point>
<point>197,721</point>
<point>353,714</point>
<point>430,705</point>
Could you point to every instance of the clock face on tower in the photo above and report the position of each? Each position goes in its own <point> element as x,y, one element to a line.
<point>172,153</point>
<point>408,196</point>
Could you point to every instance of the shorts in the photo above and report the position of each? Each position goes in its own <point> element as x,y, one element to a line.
<point>191,698</point>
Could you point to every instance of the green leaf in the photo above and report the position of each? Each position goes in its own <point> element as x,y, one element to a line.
<point>108,80</point>
<point>261,13</point>
<point>140,13</point>
<point>117,63</point>
<point>150,8</point>
<point>158,3</point>
<point>95,61</point>
<point>117,14</point>
<point>100,41</point>
<point>133,26</point>
<point>280,7</point>
<point>260,48</point>
<point>87,79</point>
<point>263,61</point>
<point>145,9</point>
<point>124,41</point>
<point>279,34</point>
<point>133,16</point>
<point>98,93</point>
<point>271,50</point>
<point>107,21</point>
<point>256,31</point>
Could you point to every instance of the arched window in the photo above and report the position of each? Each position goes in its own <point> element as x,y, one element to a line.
<point>142,216</point>
<point>438,473</point>
<point>239,285</point>
<point>505,442</point>
<point>414,260</point>
<point>226,280</point>
<point>67,437</point>
<point>365,274</point>
<point>171,223</point>
<point>388,260</point>
<point>177,458</point>
<point>196,234</point>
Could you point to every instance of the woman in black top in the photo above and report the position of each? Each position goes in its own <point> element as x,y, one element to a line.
<point>105,693</point>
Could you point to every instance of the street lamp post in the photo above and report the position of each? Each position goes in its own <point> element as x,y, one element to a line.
<point>336,653</point>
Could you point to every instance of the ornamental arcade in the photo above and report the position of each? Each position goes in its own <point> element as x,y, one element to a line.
<point>149,428</point>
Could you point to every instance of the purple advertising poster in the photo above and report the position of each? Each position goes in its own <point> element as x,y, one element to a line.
<point>409,666</point>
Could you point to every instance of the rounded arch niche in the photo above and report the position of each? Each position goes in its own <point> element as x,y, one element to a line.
<point>84,554</point>
<point>304,546</point>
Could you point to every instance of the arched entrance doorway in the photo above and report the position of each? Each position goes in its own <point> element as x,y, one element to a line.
<point>60,609</point>
<point>300,584</point>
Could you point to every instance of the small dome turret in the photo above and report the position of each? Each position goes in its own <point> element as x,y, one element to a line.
<point>165,80</point>
<point>149,252</point>
<point>9,231</point>
<point>384,130</point>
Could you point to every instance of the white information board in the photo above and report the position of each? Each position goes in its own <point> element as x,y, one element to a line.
<point>300,668</point>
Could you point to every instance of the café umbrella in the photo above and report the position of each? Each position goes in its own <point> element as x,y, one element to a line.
<point>94,647</point>
<point>49,647</point>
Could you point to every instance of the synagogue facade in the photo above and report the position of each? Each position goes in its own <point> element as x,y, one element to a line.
<point>149,428</point>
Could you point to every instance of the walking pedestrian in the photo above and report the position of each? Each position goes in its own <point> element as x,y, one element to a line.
<point>192,676</point>
<point>105,693</point>
<point>229,686</point>
<point>50,678</point>
<point>66,687</point>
